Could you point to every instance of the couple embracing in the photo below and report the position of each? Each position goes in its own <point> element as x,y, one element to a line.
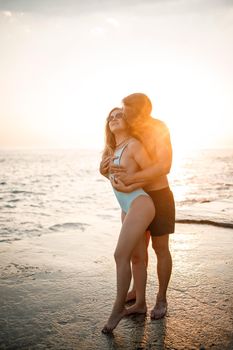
<point>136,159</point>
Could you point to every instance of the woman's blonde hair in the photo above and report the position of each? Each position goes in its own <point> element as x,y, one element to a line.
<point>110,142</point>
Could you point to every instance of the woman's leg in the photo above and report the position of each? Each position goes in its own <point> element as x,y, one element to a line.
<point>139,269</point>
<point>136,259</point>
<point>131,295</point>
<point>135,224</point>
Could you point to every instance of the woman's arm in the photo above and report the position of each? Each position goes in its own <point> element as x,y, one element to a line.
<point>104,166</point>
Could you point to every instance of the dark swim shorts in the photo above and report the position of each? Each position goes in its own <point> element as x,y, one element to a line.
<point>164,220</point>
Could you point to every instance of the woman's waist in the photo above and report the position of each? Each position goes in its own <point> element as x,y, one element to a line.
<point>128,194</point>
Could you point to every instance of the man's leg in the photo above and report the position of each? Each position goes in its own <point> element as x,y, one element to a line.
<point>164,267</point>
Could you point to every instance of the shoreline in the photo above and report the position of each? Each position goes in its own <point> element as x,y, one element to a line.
<point>57,291</point>
<point>204,222</point>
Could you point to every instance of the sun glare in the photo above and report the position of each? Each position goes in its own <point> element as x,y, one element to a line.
<point>65,83</point>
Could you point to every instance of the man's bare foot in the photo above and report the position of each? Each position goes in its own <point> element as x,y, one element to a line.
<point>137,309</point>
<point>113,321</point>
<point>131,296</point>
<point>159,310</point>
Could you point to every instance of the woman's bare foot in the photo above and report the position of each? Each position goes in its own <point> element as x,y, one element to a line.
<point>113,321</point>
<point>137,309</point>
<point>131,296</point>
<point>159,310</point>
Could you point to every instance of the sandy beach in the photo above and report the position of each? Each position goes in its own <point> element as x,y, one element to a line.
<point>57,291</point>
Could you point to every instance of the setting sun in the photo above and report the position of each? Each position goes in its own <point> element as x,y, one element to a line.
<point>61,76</point>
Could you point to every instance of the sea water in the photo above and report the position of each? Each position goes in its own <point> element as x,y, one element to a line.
<point>42,191</point>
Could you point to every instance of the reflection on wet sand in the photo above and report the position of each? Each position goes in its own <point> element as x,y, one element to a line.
<point>57,291</point>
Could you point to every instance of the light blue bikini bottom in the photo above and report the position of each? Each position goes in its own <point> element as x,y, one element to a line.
<point>125,199</point>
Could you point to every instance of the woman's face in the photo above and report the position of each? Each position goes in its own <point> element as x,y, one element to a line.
<point>116,121</point>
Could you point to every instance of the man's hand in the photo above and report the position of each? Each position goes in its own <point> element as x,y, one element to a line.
<point>119,185</point>
<point>121,174</point>
<point>124,177</point>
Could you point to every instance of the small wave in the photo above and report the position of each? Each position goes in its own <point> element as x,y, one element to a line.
<point>205,222</point>
<point>3,183</point>
<point>26,192</point>
<point>9,240</point>
<point>105,216</point>
<point>20,191</point>
<point>14,200</point>
<point>69,225</point>
<point>194,201</point>
<point>222,188</point>
<point>9,206</point>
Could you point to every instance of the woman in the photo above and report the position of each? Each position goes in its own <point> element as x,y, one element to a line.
<point>154,134</point>
<point>137,213</point>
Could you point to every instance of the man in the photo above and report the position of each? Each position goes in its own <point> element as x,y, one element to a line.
<point>155,136</point>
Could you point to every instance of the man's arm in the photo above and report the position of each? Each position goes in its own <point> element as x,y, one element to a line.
<point>120,186</point>
<point>141,157</point>
<point>160,167</point>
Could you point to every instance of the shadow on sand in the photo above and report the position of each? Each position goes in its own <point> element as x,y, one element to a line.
<point>140,332</point>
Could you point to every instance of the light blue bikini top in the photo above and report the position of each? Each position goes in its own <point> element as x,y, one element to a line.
<point>118,154</point>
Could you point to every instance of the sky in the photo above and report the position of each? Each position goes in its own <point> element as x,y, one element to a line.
<point>65,64</point>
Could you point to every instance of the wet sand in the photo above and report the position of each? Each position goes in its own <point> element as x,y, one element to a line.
<point>57,292</point>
